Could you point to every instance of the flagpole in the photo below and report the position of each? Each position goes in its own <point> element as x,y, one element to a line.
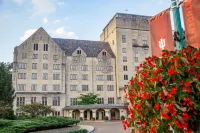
<point>177,24</point>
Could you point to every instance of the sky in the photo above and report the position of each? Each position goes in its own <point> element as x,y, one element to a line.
<point>75,19</point>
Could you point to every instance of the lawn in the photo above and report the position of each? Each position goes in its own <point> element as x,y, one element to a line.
<point>35,124</point>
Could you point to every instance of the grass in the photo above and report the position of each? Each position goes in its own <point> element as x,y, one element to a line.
<point>35,124</point>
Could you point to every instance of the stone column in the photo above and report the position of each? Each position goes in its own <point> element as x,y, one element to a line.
<point>82,114</point>
<point>94,113</point>
<point>100,115</point>
<point>107,113</point>
<point>70,113</point>
<point>88,115</point>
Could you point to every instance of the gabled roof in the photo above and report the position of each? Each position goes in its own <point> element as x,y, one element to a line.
<point>91,48</point>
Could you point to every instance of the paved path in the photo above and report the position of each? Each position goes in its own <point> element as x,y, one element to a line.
<point>108,127</point>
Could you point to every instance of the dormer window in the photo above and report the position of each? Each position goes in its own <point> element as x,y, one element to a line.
<point>79,52</point>
<point>104,53</point>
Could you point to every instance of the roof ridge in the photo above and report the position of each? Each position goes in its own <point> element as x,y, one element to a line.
<point>79,40</point>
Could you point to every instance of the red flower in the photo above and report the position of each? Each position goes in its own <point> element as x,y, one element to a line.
<point>157,107</point>
<point>186,116</point>
<point>144,74</point>
<point>171,72</point>
<point>178,124</point>
<point>165,116</point>
<point>189,90</point>
<point>188,131</point>
<point>173,91</point>
<point>152,130</point>
<point>187,84</point>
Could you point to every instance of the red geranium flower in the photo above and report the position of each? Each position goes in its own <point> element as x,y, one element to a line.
<point>157,107</point>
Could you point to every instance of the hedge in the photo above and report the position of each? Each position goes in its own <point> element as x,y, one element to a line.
<point>79,131</point>
<point>35,124</point>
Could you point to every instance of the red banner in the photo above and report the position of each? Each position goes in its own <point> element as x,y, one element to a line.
<point>161,33</point>
<point>191,15</point>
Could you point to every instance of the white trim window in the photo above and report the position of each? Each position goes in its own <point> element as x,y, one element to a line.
<point>73,88</point>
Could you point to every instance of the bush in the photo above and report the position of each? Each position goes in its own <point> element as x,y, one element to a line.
<point>81,118</point>
<point>166,92</point>
<point>105,117</point>
<point>36,124</point>
<point>122,117</point>
<point>79,131</point>
<point>4,123</point>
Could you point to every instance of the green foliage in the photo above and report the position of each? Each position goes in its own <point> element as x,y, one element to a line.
<point>89,98</point>
<point>122,117</point>
<point>6,91</point>
<point>36,109</point>
<point>35,124</point>
<point>81,118</point>
<point>79,131</point>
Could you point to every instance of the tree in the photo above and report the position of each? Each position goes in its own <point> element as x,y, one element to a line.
<point>6,91</point>
<point>89,98</point>
<point>166,93</point>
<point>36,109</point>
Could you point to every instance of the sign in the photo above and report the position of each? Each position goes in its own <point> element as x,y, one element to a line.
<point>161,33</point>
<point>191,15</point>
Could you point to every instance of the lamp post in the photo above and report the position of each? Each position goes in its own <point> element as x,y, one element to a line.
<point>177,24</point>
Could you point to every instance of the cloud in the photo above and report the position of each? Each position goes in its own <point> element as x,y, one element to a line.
<point>61,3</point>
<point>56,21</point>
<point>43,6</point>
<point>27,34</point>
<point>45,20</point>
<point>66,18</point>
<point>19,2</point>
<point>61,33</point>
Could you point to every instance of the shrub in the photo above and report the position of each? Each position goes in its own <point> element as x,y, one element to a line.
<point>36,124</point>
<point>122,117</point>
<point>4,123</point>
<point>165,92</point>
<point>81,118</point>
<point>105,117</point>
<point>79,131</point>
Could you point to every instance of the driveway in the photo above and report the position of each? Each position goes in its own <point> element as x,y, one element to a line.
<point>108,127</point>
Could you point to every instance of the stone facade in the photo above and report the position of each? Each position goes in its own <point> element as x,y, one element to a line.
<point>56,71</point>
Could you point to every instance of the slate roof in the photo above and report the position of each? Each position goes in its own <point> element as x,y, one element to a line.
<point>95,106</point>
<point>91,48</point>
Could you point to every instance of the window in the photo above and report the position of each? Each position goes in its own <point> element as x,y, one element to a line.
<point>100,59</point>
<point>125,77</point>
<point>84,67</point>
<point>123,39</point>
<point>34,65</point>
<point>100,77</point>
<point>35,48</point>
<point>135,50</point>
<point>45,56</point>
<point>124,59</point>
<point>45,76</point>
<point>44,87</point>
<point>79,52</point>
<point>45,47</point>
<point>73,101</point>
<point>101,100</point>
<point>24,56</point>
<point>44,101</point>
<point>33,100</point>
<point>22,65</point>
<point>84,77</point>
<point>56,76</point>
<point>56,66</point>
<point>99,87</point>
<point>125,68</point>
<point>34,75</point>
<point>21,87</point>
<point>109,77</point>
<point>136,68</point>
<point>75,58</point>
<point>20,101</point>
<point>136,59</point>
<point>134,41</point>
<point>104,53</point>
<point>21,75</point>
<point>110,87</point>
<point>35,56</point>
<point>109,68</point>
<point>84,87</point>
<point>111,100</point>
<point>56,101</point>
<point>56,87</point>
<point>33,87</point>
<point>99,68</point>
<point>144,42</point>
<point>73,76</point>
<point>73,88</point>
<point>45,66</point>
<point>123,50</point>
<point>74,67</point>
<point>56,113</point>
<point>125,86</point>
<point>83,59</point>
<point>146,51</point>
<point>55,57</point>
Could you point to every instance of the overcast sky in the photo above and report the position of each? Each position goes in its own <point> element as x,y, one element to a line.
<point>77,19</point>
